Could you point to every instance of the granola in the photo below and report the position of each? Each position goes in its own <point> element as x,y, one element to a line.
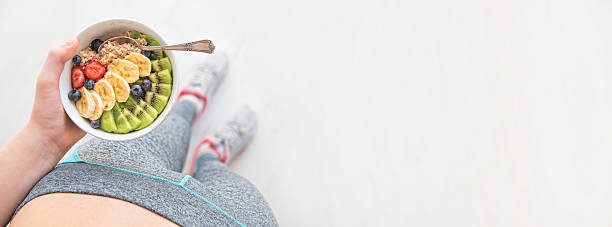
<point>110,51</point>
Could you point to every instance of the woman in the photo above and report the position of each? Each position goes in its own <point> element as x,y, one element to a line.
<point>136,182</point>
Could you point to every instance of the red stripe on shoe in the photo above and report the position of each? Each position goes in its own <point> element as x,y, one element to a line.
<point>213,146</point>
<point>197,95</point>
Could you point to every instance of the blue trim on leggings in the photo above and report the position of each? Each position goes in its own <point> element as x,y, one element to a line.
<point>184,180</point>
<point>73,157</point>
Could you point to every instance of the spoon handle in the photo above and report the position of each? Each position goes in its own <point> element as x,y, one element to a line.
<point>205,46</point>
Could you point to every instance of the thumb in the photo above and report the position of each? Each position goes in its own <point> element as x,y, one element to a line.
<point>56,59</point>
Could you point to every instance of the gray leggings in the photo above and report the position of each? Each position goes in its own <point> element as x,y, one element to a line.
<point>147,172</point>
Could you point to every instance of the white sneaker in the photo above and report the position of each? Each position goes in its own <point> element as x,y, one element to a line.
<point>228,141</point>
<point>211,70</point>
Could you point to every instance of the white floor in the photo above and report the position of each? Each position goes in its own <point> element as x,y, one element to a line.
<point>386,113</point>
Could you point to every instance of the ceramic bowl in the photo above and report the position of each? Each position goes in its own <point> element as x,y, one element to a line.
<point>104,30</point>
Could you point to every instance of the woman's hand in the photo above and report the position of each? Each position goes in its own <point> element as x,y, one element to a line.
<point>43,141</point>
<point>48,118</point>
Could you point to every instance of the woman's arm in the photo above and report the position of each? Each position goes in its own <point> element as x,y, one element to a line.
<point>43,141</point>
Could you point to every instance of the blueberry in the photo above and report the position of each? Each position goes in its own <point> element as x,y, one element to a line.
<point>152,56</point>
<point>146,85</point>
<point>74,95</point>
<point>146,53</point>
<point>89,84</point>
<point>137,91</point>
<point>76,59</point>
<point>95,44</point>
<point>95,123</point>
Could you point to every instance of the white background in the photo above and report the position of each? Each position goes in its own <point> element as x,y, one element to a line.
<point>377,113</point>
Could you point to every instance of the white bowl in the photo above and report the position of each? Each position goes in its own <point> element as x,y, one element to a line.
<point>103,30</point>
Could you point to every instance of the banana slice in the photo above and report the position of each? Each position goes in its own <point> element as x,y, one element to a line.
<point>143,63</point>
<point>106,92</point>
<point>98,104</point>
<point>86,105</point>
<point>126,69</point>
<point>120,86</point>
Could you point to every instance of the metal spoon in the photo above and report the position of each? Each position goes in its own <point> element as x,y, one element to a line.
<point>205,45</point>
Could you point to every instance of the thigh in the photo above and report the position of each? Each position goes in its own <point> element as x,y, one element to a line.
<point>135,155</point>
<point>164,147</point>
<point>235,195</point>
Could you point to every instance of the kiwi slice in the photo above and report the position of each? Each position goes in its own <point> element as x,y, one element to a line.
<point>130,103</point>
<point>107,121</point>
<point>139,81</point>
<point>116,110</point>
<point>150,40</point>
<point>155,66</point>
<point>143,116</point>
<point>165,64</point>
<point>161,64</point>
<point>162,89</point>
<point>134,121</point>
<point>161,77</point>
<point>135,34</point>
<point>157,101</point>
<point>149,109</point>
<point>123,125</point>
<point>158,54</point>
<point>120,105</point>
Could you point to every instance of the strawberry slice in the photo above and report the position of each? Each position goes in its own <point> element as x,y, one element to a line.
<point>78,77</point>
<point>94,70</point>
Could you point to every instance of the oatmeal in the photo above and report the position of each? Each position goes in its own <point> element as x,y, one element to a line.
<point>86,55</point>
<point>110,51</point>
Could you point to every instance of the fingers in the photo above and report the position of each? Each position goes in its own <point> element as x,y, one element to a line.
<point>56,59</point>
